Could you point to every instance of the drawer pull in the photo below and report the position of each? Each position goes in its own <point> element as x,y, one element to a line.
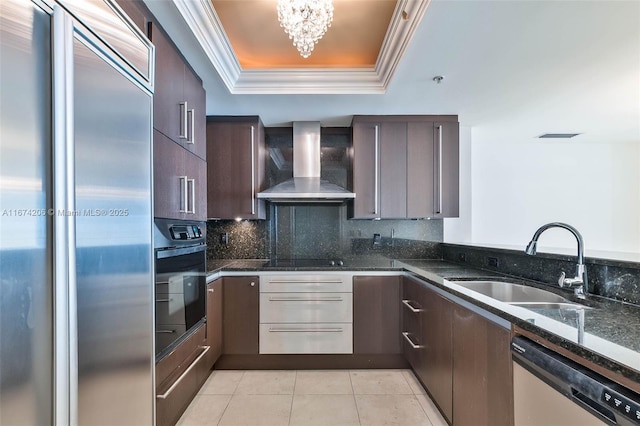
<point>305,330</point>
<point>306,299</point>
<point>164,300</point>
<point>183,375</point>
<point>413,345</point>
<point>165,331</point>
<point>407,303</point>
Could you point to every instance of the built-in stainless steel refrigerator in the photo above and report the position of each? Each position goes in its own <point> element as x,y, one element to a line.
<point>76,252</point>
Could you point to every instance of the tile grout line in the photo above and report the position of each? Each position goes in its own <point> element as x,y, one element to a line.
<point>293,394</point>
<point>415,395</point>
<point>353,394</point>
<point>230,398</point>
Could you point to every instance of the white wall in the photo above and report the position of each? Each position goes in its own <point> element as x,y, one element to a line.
<point>519,183</point>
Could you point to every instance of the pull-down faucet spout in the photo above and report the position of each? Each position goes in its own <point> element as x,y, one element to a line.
<point>579,282</point>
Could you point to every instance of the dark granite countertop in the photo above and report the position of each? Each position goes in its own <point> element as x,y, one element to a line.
<point>611,330</point>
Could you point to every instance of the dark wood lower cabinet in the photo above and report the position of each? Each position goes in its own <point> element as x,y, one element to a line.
<point>241,315</point>
<point>437,334</point>
<point>214,320</point>
<point>482,371</point>
<point>179,376</point>
<point>376,315</point>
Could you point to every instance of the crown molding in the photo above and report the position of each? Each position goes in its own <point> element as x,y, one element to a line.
<point>202,19</point>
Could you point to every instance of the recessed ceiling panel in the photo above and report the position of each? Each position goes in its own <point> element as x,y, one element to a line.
<point>353,40</point>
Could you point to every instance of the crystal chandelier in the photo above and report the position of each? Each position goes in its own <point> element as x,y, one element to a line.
<point>305,21</point>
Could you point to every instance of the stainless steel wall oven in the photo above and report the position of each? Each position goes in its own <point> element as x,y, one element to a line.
<point>180,284</point>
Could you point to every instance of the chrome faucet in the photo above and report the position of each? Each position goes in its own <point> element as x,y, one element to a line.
<point>579,282</point>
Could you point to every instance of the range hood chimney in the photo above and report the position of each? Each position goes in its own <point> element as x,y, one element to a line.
<point>306,185</point>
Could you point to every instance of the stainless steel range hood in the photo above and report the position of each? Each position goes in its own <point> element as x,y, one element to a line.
<point>306,185</point>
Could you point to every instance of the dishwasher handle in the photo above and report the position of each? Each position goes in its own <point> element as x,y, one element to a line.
<point>607,400</point>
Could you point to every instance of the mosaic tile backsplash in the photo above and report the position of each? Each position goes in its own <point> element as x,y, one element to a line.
<point>321,232</point>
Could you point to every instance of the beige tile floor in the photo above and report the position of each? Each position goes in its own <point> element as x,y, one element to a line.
<point>312,397</point>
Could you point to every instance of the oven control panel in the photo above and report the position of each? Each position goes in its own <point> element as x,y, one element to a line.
<point>185,232</point>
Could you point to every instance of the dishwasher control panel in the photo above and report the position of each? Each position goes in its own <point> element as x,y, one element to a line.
<point>621,404</point>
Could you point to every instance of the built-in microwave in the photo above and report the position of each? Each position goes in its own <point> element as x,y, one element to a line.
<point>180,283</point>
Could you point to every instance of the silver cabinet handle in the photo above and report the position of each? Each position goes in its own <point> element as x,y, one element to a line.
<point>192,210</point>
<point>413,345</point>
<point>438,173</point>
<point>183,195</point>
<point>407,303</point>
<point>253,284</point>
<point>164,300</point>
<point>305,330</point>
<point>376,175</point>
<point>253,172</point>
<point>191,129</point>
<point>183,120</point>
<point>210,290</point>
<point>165,331</point>
<point>183,375</point>
<point>306,299</point>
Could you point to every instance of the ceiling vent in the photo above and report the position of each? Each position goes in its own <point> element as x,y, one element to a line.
<point>558,135</point>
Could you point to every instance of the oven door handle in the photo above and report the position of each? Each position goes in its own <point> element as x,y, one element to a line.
<point>163,254</point>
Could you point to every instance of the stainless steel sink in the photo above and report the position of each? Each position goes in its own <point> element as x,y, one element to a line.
<point>551,306</point>
<point>512,293</point>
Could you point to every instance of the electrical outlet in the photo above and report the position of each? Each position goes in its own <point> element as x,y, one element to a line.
<point>492,261</point>
<point>224,238</point>
<point>462,257</point>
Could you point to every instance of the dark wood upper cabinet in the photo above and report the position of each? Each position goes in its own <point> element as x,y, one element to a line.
<point>241,315</point>
<point>376,315</point>
<point>179,99</point>
<point>179,181</point>
<point>405,167</point>
<point>365,170</point>
<point>137,11</point>
<point>214,330</point>
<point>236,167</point>
<point>482,371</point>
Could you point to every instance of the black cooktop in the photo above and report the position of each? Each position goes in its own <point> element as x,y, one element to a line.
<point>303,263</point>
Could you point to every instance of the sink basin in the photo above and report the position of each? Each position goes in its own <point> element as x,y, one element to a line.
<point>548,306</point>
<point>513,293</point>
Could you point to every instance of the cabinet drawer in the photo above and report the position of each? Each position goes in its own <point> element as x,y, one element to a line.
<point>306,307</point>
<point>170,308</point>
<point>306,283</point>
<point>173,397</point>
<point>324,338</point>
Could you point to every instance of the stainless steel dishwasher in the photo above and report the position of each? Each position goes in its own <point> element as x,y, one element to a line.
<point>550,389</point>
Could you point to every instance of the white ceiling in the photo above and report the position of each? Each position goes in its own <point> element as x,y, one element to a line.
<point>542,66</point>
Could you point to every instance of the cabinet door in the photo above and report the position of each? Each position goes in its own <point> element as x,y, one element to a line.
<point>438,356</point>
<point>168,115</point>
<point>393,170</point>
<point>482,371</point>
<point>241,315</point>
<point>447,176</point>
<point>195,97</point>
<point>366,172</point>
<point>420,170</point>
<point>234,151</point>
<point>376,315</point>
<point>196,172</point>
<point>168,175</point>
<point>214,320</point>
